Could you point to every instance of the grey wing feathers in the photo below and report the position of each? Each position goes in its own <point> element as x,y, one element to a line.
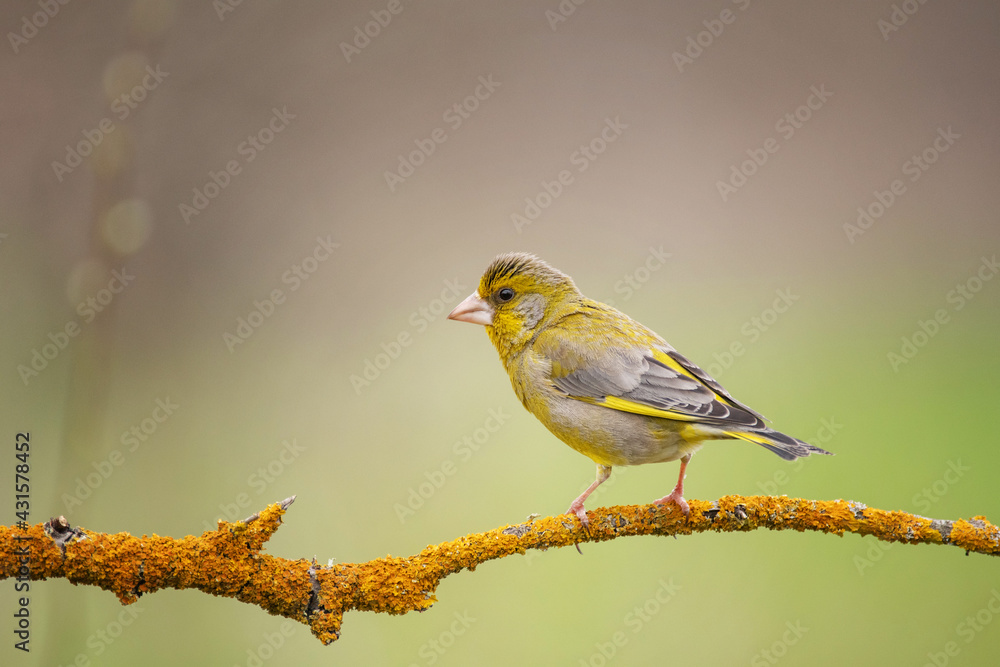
<point>786,446</point>
<point>710,381</point>
<point>642,379</point>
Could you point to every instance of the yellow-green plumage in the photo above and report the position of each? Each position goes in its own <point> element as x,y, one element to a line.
<point>604,384</point>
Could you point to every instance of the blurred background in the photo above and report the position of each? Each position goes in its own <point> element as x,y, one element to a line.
<point>230,233</point>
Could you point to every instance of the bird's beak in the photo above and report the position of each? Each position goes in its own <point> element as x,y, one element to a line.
<point>473,310</point>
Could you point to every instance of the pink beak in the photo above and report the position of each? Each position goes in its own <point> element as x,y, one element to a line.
<point>474,310</point>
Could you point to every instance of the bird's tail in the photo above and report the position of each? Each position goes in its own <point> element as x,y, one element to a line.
<point>785,446</point>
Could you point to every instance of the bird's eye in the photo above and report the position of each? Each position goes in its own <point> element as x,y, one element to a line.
<point>506,294</point>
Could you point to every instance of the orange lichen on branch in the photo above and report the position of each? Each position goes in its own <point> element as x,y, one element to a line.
<point>220,562</point>
<point>228,561</point>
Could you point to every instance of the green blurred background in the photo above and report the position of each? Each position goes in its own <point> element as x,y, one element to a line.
<point>278,414</point>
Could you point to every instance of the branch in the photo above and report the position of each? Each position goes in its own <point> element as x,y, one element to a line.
<point>228,561</point>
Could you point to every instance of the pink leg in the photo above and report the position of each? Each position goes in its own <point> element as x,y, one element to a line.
<point>677,495</point>
<point>576,507</point>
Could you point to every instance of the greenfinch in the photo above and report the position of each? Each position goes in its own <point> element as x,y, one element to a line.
<point>604,384</point>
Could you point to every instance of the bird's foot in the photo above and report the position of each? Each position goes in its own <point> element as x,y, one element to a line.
<point>677,498</point>
<point>576,508</point>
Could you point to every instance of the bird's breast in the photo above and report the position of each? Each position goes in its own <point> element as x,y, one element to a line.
<point>605,435</point>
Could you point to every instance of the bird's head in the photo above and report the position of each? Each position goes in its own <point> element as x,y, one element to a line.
<point>516,294</point>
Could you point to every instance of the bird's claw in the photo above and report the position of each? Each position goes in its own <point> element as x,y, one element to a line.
<point>579,513</point>
<point>676,498</point>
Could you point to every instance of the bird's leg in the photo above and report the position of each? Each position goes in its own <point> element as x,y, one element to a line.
<point>677,495</point>
<point>576,507</point>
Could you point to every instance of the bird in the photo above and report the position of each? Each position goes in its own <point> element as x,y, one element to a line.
<point>604,384</point>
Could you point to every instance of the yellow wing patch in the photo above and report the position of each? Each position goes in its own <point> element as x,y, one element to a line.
<point>709,383</point>
<point>626,405</point>
<point>675,365</point>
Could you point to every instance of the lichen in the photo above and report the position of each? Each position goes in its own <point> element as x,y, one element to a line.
<point>228,561</point>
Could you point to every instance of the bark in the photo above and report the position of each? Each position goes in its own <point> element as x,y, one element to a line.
<point>228,561</point>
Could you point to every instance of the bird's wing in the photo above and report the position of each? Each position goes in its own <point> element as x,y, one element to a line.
<point>653,379</point>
